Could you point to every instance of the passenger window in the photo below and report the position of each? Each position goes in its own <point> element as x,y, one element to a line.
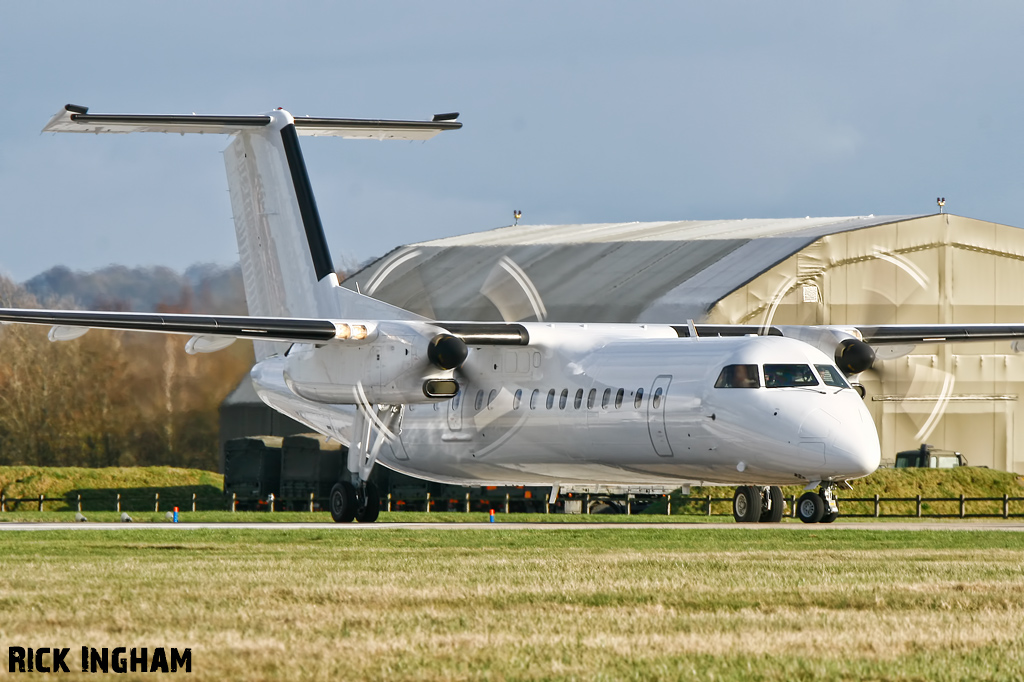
<point>516,399</point>
<point>783,376</point>
<point>738,376</point>
<point>606,397</point>
<point>533,398</point>
<point>591,398</point>
<point>563,398</point>
<point>491,396</point>
<point>479,399</point>
<point>656,400</point>
<point>618,398</point>
<point>639,399</point>
<point>579,398</point>
<point>831,376</point>
<point>551,399</point>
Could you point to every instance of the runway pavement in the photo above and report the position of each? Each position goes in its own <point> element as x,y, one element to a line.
<point>1007,526</point>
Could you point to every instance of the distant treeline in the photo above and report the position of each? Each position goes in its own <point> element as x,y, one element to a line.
<point>116,398</point>
<point>205,287</point>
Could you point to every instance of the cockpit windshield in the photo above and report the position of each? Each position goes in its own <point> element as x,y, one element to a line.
<point>738,376</point>
<point>831,376</point>
<point>784,376</point>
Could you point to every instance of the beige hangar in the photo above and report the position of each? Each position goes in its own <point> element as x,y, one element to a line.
<point>863,270</point>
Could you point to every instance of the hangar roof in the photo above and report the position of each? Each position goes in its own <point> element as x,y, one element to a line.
<point>608,272</point>
<point>675,231</point>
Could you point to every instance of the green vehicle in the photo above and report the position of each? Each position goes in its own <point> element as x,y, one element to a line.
<point>929,457</point>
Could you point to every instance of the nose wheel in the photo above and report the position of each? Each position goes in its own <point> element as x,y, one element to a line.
<point>758,504</point>
<point>818,507</point>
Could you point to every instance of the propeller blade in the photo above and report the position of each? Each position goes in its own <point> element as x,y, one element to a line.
<point>513,293</point>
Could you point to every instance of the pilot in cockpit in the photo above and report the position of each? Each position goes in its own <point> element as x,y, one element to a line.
<point>738,376</point>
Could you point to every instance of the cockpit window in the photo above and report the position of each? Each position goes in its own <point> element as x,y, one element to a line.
<point>782,376</point>
<point>831,376</point>
<point>738,376</point>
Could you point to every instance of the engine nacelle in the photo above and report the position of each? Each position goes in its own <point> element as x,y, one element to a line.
<point>403,363</point>
<point>851,354</point>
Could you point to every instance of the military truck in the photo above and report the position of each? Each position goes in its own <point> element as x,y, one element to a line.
<point>929,457</point>
<point>252,469</point>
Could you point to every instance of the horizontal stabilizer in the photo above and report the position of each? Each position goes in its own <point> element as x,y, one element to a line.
<point>76,119</point>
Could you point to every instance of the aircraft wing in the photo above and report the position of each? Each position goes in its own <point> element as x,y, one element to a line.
<point>287,329</point>
<point>237,326</point>
<point>889,334</point>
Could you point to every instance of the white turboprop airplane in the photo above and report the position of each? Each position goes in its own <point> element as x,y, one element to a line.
<point>509,403</point>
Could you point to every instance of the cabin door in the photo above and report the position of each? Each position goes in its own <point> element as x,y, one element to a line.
<point>656,415</point>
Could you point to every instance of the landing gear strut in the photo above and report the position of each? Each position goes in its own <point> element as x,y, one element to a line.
<point>355,498</point>
<point>818,507</point>
<point>772,504</point>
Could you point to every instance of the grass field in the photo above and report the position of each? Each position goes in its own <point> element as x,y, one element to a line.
<point>642,604</point>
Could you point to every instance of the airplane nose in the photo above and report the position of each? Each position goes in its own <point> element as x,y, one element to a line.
<point>856,453</point>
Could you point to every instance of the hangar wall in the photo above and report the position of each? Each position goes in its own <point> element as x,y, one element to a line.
<point>935,269</point>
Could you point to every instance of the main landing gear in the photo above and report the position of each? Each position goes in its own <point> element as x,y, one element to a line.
<point>818,507</point>
<point>355,503</point>
<point>355,497</point>
<point>758,504</point>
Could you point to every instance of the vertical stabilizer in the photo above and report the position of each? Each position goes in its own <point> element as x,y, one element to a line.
<point>286,265</point>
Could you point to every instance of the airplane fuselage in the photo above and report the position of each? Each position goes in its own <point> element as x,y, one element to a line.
<point>626,404</point>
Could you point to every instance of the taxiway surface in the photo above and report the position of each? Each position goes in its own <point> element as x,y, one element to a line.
<point>1007,526</point>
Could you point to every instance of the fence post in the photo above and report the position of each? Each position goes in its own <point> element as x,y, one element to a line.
<point>877,506</point>
<point>79,501</point>
<point>668,505</point>
<point>709,505</point>
<point>918,506</point>
<point>629,504</point>
<point>156,505</point>
<point>1006,506</point>
<point>506,503</point>
<point>234,502</point>
<point>389,501</point>
<point>118,502</point>
<point>193,501</point>
<point>3,502</point>
<point>467,503</point>
<point>428,501</point>
<point>962,506</point>
<point>311,502</point>
<point>270,498</point>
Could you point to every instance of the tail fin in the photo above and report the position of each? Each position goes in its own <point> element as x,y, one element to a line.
<point>286,265</point>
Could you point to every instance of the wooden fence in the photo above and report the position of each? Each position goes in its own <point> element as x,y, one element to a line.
<point>894,507</point>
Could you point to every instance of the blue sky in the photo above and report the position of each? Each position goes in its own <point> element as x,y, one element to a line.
<point>573,112</point>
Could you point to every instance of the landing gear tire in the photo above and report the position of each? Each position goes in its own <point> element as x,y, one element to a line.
<point>746,504</point>
<point>343,502</point>
<point>772,505</point>
<point>829,517</point>
<point>369,506</point>
<point>810,507</point>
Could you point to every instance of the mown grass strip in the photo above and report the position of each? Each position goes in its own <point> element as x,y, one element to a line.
<point>583,603</point>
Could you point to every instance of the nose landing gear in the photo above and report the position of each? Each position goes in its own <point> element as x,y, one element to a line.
<point>818,507</point>
<point>758,504</point>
